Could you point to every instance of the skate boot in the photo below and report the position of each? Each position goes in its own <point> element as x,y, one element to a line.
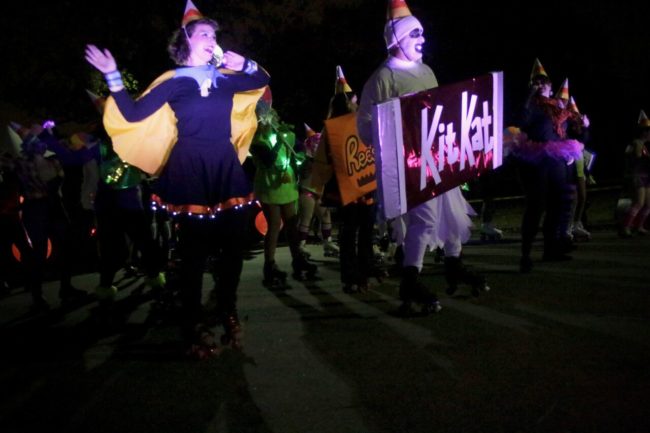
<point>490,233</point>
<point>204,345</point>
<point>156,282</point>
<point>330,249</point>
<point>456,272</point>
<point>105,293</point>
<point>302,269</point>
<point>579,232</point>
<point>303,249</point>
<point>233,331</point>
<point>273,277</point>
<point>413,291</point>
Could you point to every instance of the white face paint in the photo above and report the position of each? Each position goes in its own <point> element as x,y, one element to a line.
<point>411,45</point>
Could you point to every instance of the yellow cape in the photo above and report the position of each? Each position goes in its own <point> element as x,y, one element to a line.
<point>148,143</point>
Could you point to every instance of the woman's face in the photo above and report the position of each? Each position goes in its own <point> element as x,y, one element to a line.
<point>543,88</point>
<point>202,44</point>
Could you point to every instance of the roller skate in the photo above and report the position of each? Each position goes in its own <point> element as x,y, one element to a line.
<point>233,331</point>
<point>490,233</point>
<point>330,249</point>
<point>579,232</point>
<point>303,250</point>
<point>105,294</point>
<point>456,272</point>
<point>413,292</point>
<point>274,278</point>
<point>302,269</point>
<point>204,345</point>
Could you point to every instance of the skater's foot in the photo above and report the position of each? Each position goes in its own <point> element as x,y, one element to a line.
<point>233,331</point>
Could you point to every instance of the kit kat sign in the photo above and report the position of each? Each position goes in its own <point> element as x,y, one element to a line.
<point>437,139</point>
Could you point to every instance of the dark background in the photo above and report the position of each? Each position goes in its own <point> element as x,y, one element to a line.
<point>604,50</point>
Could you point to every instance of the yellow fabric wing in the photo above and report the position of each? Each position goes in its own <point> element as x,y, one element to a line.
<point>148,143</point>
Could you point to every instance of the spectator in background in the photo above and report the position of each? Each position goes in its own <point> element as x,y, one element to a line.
<point>639,154</point>
<point>44,219</point>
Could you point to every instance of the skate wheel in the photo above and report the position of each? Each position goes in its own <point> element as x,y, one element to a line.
<point>431,308</point>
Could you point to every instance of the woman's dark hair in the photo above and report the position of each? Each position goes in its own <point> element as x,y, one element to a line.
<point>540,79</point>
<point>179,48</point>
<point>339,105</point>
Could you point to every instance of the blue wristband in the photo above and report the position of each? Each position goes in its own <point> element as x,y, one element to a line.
<point>250,67</point>
<point>114,81</point>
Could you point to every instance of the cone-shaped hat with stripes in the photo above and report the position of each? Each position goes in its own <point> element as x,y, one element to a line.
<point>191,13</point>
<point>571,106</point>
<point>341,85</point>
<point>644,122</point>
<point>538,70</point>
<point>563,92</point>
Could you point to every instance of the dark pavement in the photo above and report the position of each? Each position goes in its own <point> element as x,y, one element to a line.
<point>565,348</point>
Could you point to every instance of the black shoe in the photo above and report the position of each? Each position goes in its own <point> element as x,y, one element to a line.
<point>273,276</point>
<point>412,290</point>
<point>303,269</point>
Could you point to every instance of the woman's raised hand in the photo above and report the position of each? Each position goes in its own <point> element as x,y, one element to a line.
<point>101,59</point>
<point>233,61</point>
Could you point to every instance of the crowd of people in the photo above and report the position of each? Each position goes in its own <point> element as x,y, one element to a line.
<point>181,145</point>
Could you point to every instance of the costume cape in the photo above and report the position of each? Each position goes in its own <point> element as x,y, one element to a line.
<point>147,144</point>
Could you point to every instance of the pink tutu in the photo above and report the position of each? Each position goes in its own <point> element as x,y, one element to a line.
<point>519,145</point>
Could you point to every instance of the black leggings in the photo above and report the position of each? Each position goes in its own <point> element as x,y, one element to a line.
<point>549,189</point>
<point>223,237</point>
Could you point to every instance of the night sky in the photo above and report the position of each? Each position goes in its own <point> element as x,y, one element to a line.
<point>603,50</point>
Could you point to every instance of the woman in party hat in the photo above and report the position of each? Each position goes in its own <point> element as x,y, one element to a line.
<point>309,201</point>
<point>578,127</point>
<point>277,165</point>
<point>200,178</point>
<point>545,156</point>
<point>639,151</point>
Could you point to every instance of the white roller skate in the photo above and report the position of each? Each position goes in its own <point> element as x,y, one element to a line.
<point>330,249</point>
<point>490,233</point>
<point>579,232</point>
<point>302,247</point>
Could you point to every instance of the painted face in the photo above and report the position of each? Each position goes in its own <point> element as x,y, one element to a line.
<point>411,45</point>
<point>202,42</point>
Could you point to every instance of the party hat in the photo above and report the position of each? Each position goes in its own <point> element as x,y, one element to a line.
<point>308,131</point>
<point>97,101</point>
<point>563,91</point>
<point>191,13</point>
<point>644,122</point>
<point>397,9</point>
<point>572,106</point>
<point>267,96</point>
<point>538,69</point>
<point>312,139</point>
<point>15,126</point>
<point>13,143</point>
<point>341,85</point>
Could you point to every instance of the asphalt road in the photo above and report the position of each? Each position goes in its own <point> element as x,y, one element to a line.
<point>564,348</point>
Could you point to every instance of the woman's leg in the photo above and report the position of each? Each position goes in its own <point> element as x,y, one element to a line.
<point>194,242</point>
<point>273,219</point>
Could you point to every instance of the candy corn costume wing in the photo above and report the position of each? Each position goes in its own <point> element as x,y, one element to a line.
<point>148,143</point>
